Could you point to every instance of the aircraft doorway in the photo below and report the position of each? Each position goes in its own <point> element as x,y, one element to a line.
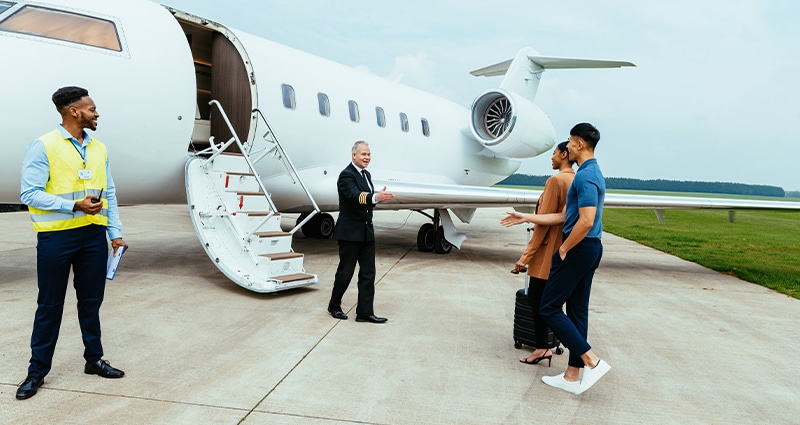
<point>222,74</point>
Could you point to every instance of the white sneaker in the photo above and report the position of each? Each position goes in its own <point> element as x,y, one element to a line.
<point>591,376</point>
<point>559,382</point>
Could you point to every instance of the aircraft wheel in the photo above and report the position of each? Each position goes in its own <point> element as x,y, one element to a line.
<point>320,226</point>
<point>440,244</point>
<point>425,238</point>
<point>325,225</point>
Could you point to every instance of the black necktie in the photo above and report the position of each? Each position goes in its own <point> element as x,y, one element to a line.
<point>364,174</point>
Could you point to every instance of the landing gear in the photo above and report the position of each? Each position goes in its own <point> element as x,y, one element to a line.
<point>320,226</point>
<point>430,237</point>
<point>425,238</point>
<point>440,244</point>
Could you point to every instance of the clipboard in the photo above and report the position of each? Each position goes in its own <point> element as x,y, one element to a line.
<point>113,262</point>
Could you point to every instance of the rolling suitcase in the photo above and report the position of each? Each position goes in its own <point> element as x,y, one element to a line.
<point>523,320</point>
<point>523,323</point>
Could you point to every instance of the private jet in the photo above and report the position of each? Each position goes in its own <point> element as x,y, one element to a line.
<point>243,129</point>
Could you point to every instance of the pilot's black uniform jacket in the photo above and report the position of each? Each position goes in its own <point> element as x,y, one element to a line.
<point>355,206</point>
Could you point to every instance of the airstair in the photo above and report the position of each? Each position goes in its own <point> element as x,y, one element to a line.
<point>234,216</point>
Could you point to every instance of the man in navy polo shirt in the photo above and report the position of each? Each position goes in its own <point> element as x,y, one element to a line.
<point>570,280</point>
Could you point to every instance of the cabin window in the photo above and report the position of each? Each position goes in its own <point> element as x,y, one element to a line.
<point>381,116</point>
<point>426,129</point>
<point>288,96</point>
<point>404,122</point>
<point>65,26</point>
<point>353,107</point>
<point>4,5</point>
<point>324,104</point>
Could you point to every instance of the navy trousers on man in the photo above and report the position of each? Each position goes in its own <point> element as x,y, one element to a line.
<point>85,251</point>
<point>351,253</point>
<point>570,283</point>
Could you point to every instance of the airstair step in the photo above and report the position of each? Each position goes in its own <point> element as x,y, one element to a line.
<point>227,153</point>
<point>282,255</point>
<point>250,193</point>
<point>237,173</point>
<point>258,213</point>
<point>272,234</point>
<point>294,277</point>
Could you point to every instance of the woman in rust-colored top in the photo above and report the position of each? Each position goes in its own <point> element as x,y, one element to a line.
<point>543,244</point>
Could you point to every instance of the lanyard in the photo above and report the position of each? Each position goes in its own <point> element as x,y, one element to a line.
<point>79,153</point>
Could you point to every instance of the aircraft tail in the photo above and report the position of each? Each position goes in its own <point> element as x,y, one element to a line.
<point>523,72</point>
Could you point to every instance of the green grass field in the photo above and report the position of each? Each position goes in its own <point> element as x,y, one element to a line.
<point>762,247</point>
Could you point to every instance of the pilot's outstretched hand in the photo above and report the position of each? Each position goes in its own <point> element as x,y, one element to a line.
<point>384,196</point>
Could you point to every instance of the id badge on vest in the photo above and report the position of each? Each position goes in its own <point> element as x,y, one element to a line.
<point>85,174</point>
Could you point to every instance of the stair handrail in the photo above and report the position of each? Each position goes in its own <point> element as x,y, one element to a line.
<point>291,170</point>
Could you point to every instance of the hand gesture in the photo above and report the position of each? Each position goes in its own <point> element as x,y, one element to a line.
<point>383,195</point>
<point>512,219</point>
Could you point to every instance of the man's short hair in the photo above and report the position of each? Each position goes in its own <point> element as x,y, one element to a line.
<point>66,96</point>
<point>355,145</point>
<point>587,132</point>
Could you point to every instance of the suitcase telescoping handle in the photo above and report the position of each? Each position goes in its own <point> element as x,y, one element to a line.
<point>525,276</point>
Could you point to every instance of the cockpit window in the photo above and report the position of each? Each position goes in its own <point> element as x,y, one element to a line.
<point>61,25</point>
<point>4,5</point>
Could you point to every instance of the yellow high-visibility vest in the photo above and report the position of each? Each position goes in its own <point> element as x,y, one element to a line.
<point>64,182</point>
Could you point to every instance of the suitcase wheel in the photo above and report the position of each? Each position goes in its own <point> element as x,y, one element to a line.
<point>559,350</point>
<point>518,344</point>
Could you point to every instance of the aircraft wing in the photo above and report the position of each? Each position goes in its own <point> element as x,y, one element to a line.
<point>441,196</point>
<point>616,200</point>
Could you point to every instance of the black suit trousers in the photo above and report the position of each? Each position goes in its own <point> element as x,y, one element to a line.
<point>351,253</point>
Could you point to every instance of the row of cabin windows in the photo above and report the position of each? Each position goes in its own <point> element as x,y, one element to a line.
<point>352,107</point>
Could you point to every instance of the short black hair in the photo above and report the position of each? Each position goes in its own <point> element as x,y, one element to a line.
<point>66,96</point>
<point>587,132</point>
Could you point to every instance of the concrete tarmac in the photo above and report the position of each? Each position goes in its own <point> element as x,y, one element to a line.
<point>686,344</point>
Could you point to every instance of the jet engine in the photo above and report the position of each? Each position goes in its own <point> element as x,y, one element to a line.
<point>511,125</point>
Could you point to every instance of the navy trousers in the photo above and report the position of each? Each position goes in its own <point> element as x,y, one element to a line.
<point>351,253</point>
<point>85,251</point>
<point>570,283</point>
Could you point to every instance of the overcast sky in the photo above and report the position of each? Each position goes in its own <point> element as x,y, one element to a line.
<point>715,95</point>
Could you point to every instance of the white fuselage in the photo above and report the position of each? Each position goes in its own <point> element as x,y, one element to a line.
<point>147,96</point>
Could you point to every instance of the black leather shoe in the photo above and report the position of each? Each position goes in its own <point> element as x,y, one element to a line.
<point>28,387</point>
<point>338,314</point>
<point>102,368</point>
<point>372,319</point>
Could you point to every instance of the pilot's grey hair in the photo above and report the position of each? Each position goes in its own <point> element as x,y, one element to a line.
<point>355,145</point>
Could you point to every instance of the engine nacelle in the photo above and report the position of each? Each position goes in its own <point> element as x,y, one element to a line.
<point>511,125</point>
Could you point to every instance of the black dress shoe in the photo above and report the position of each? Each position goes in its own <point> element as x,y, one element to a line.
<point>28,387</point>
<point>102,368</point>
<point>338,314</point>
<point>372,319</point>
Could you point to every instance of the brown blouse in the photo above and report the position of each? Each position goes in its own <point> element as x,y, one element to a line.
<point>546,240</point>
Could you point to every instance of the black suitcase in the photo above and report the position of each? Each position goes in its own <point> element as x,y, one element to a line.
<point>523,324</point>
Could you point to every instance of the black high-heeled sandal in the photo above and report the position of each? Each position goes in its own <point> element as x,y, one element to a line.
<point>539,359</point>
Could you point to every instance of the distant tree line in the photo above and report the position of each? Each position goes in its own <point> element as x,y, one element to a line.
<point>663,185</point>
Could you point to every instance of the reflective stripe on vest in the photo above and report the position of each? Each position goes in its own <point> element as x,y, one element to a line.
<point>65,161</point>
